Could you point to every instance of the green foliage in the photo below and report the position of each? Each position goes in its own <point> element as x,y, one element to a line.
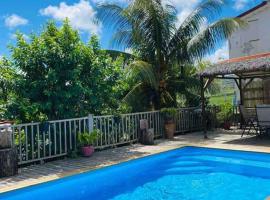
<point>162,50</point>
<point>72,154</point>
<point>62,77</point>
<point>168,113</point>
<point>225,113</point>
<point>215,86</point>
<point>88,139</point>
<point>8,77</point>
<point>221,98</point>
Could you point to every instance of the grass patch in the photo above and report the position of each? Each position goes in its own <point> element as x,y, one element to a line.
<point>221,99</point>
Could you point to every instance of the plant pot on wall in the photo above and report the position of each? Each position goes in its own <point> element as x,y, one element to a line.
<point>169,115</point>
<point>169,129</point>
<point>87,140</point>
<point>87,151</point>
<point>227,125</point>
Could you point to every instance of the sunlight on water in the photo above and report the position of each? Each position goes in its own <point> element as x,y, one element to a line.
<point>219,186</point>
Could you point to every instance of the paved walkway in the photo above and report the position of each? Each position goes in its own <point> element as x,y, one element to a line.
<point>35,174</point>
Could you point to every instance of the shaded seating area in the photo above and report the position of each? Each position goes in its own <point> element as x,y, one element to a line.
<point>251,75</point>
<point>263,118</point>
<point>249,121</point>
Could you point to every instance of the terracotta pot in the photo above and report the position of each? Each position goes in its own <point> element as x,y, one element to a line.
<point>227,125</point>
<point>169,129</point>
<point>88,151</point>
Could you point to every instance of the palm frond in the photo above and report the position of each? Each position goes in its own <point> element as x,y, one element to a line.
<point>134,93</point>
<point>113,16</point>
<point>208,39</point>
<point>205,11</point>
<point>143,72</point>
<point>122,38</point>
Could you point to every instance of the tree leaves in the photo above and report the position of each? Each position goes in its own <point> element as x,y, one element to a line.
<point>61,77</point>
<point>162,47</point>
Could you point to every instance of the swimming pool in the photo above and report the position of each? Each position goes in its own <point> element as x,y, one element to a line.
<point>182,174</point>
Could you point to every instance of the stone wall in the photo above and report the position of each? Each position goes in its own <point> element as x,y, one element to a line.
<point>8,153</point>
<point>5,136</point>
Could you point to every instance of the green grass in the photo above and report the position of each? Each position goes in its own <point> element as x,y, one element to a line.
<point>220,99</point>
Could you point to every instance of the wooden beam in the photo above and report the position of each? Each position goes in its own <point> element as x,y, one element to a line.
<point>250,81</point>
<point>237,83</point>
<point>241,91</point>
<point>241,101</point>
<point>203,108</point>
<point>208,82</point>
<point>226,77</point>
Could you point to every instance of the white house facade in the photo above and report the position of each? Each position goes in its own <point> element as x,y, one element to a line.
<point>254,38</point>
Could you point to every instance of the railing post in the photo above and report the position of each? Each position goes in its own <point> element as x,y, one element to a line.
<point>90,123</point>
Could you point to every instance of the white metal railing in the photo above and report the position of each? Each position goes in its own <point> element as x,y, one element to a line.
<point>41,141</point>
<point>188,119</point>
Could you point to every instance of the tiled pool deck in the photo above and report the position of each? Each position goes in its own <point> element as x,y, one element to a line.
<point>35,174</point>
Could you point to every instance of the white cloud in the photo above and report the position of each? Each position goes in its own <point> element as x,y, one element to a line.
<point>14,36</point>
<point>182,15</point>
<point>109,1</point>
<point>220,54</point>
<point>183,7</point>
<point>14,20</point>
<point>240,4</point>
<point>180,4</point>
<point>81,15</point>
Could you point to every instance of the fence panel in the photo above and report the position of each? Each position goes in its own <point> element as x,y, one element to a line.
<point>188,119</point>
<point>125,129</point>
<point>40,141</point>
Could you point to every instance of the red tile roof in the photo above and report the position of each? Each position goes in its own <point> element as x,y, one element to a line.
<point>245,58</point>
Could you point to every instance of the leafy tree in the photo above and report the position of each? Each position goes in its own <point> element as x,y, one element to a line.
<point>7,79</point>
<point>62,77</point>
<point>163,50</point>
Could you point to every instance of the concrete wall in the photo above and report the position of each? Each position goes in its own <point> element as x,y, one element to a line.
<point>255,37</point>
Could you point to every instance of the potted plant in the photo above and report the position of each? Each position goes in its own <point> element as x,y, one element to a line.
<point>87,140</point>
<point>224,116</point>
<point>169,121</point>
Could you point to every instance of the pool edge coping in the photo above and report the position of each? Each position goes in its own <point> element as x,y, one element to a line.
<point>55,177</point>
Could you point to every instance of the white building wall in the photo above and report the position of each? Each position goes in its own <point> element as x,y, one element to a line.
<point>255,37</point>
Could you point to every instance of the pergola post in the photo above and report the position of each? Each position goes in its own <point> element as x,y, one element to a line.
<point>203,108</point>
<point>241,91</point>
<point>241,100</point>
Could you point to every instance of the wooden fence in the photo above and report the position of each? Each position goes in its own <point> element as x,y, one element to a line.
<point>41,141</point>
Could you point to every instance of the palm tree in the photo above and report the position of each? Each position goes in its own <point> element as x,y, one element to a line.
<point>162,49</point>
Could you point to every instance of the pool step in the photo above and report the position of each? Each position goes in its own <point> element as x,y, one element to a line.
<point>224,160</point>
<point>189,169</point>
<point>186,163</point>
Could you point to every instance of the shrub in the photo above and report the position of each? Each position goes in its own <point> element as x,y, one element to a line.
<point>88,139</point>
<point>225,113</point>
<point>168,113</point>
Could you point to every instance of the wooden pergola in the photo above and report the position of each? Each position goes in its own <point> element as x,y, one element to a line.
<point>242,70</point>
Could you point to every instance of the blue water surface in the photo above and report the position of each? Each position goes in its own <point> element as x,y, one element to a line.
<point>184,174</point>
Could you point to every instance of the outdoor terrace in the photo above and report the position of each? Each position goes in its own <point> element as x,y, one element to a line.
<point>34,174</point>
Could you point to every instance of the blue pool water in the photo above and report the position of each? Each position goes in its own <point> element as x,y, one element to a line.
<point>184,174</point>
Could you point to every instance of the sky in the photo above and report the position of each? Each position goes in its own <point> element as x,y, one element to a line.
<point>29,16</point>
